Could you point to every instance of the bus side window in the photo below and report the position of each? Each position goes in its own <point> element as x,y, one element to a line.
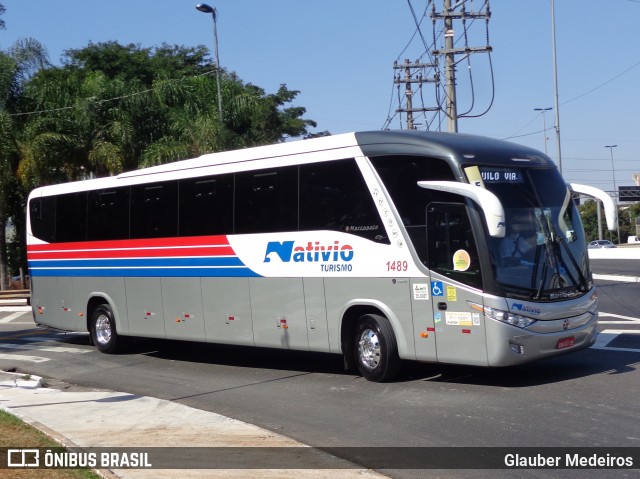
<point>71,217</point>
<point>206,206</point>
<point>400,175</point>
<point>154,210</point>
<point>334,196</point>
<point>266,201</point>
<point>108,214</point>
<point>42,213</point>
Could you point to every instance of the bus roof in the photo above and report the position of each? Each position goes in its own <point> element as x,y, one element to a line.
<point>463,148</point>
<point>456,148</point>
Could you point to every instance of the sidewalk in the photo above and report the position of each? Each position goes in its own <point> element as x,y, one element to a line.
<point>111,419</point>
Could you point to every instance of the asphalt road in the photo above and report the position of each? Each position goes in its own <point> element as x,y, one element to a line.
<point>590,398</point>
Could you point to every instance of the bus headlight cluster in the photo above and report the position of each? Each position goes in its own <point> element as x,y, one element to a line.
<point>509,318</point>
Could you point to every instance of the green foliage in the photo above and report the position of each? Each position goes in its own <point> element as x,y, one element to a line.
<point>112,108</point>
<point>627,215</point>
<point>588,216</point>
<point>16,67</point>
<point>132,63</point>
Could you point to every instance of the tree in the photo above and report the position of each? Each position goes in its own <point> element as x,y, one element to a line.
<point>588,216</point>
<point>16,67</point>
<point>626,219</point>
<point>114,108</point>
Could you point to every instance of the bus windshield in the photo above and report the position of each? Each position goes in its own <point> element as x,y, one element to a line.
<point>543,255</point>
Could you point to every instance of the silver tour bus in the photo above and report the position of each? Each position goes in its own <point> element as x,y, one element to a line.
<point>380,246</point>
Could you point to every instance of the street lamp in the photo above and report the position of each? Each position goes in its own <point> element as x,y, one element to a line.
<point>204,8</point>
<point>613,171</point>
<point>544,125</point>
<point>555,81</point>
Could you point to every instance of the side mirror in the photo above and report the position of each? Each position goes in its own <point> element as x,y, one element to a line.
<point>491,206</point>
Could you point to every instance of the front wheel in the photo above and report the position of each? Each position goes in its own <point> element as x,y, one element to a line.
<point>376,349</point>
<point>103,330</point>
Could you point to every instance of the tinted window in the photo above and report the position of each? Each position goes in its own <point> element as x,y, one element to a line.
<point>206,206</point>
<point>71,217</point>
<point>267,200</point>
<point>400,175</point>
<point>334,196</point>
<point>154,210</point>
<point>42,213</point>
<point>108,217</point>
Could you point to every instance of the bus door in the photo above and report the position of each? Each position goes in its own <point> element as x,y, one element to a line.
<point>455,285</point>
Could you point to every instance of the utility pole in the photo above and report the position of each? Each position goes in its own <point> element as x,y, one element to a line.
<point>555,81</point>
<point>450,70</point>
<point>448,15</point>
<point>412,75</point>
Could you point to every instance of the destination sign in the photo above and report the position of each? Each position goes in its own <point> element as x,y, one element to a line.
<point>501,175</point>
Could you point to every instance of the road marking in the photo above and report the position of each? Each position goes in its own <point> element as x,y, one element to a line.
<point>22,357</point>
<point>619,316</point>
<point>25,338</point>
<point>52,349</point>
<point>15,309</point>
<point>605,337</point>
<point>617,277</point>
<point>603,323</point>
<point>11,317</point>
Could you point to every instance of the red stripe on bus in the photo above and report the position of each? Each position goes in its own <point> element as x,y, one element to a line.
<point>135,243</point>
<point>156,247</point>
<point>132,253</point>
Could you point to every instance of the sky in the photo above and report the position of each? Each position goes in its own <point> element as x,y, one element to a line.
<point>340,53</point>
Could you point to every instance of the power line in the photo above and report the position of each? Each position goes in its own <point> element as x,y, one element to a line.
<point>603,84</point>
<point>106,100</point>
<point>428,68</point>
<point>578,97</point>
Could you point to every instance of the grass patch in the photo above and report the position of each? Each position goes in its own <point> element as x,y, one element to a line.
<point>15,433</point>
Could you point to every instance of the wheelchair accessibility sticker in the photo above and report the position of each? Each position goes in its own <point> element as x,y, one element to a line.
<point>436,288</point>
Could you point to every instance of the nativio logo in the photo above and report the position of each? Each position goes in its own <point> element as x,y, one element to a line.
<point>313,252</point>
<point>525,308</point>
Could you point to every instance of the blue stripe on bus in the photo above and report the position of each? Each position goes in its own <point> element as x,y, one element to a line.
<point>137,262</point>
<point>147,272</point>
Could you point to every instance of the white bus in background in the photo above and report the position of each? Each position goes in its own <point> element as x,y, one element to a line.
<point>380,246</point>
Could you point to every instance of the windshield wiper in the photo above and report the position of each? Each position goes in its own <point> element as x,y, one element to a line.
<point>582,284</point>
<point>545,268</point>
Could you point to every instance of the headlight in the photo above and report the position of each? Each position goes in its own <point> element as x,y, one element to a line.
<point>509,318</point>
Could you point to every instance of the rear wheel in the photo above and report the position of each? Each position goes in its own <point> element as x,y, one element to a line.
<point>375,347</point>
<point>103,330</point>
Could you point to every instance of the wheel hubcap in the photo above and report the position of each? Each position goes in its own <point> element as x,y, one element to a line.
<point>369,349</point>
<point>103,329</point>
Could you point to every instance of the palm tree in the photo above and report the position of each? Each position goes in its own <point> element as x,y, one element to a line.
<point>16,66</point>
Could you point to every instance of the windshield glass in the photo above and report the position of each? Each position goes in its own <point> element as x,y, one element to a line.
<point>543,255</point>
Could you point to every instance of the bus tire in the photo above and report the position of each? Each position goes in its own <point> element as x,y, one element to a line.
<point>103,330</point>
<point>376,349</point>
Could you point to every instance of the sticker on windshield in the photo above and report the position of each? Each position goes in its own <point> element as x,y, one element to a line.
<point>461,260</point>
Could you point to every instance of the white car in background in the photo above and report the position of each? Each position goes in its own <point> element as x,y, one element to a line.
<point>601,244</point>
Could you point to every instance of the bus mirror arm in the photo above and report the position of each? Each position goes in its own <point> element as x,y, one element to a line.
<point>610,211</point>
<point>491,206</point>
